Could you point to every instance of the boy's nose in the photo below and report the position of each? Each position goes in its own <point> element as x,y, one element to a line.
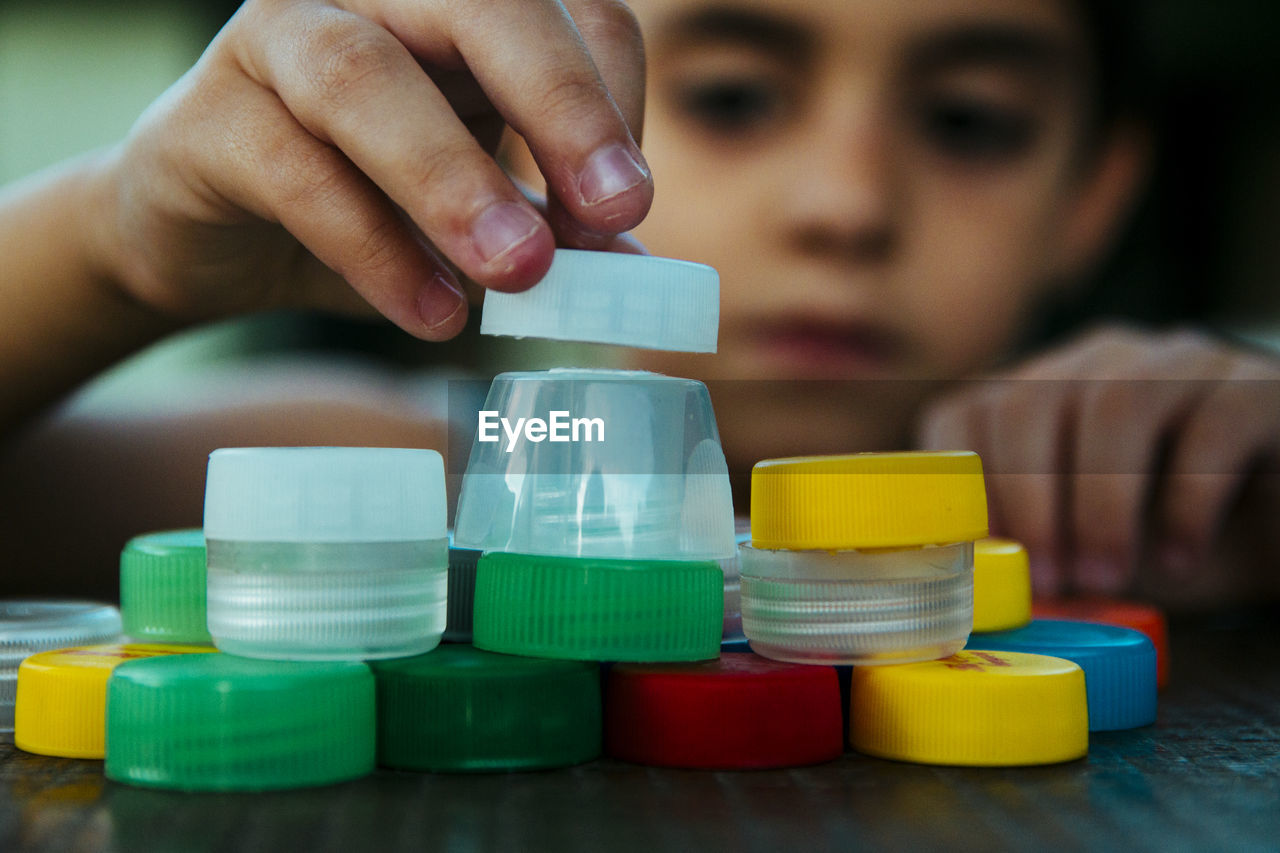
<point>840,197</point>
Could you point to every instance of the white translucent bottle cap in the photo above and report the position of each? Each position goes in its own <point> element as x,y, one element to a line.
<point>324,494</point>
<point>646,479</point>
<point>28,626</point>
<point>857,607</point>
<point>326,553</point>
<point>612,298</point>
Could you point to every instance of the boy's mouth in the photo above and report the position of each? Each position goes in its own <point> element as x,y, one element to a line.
<point>809,348</point>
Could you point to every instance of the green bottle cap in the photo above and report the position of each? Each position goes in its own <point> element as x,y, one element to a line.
<point>586,608</point>
<point>461,709</point>
<point>162,587</point>
<point>215,722</point>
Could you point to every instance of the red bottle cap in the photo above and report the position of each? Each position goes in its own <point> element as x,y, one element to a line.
<point>741,711</point>
<point>1146,618</point>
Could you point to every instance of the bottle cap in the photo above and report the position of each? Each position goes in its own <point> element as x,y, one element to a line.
<point>326,553</point>
<point>613,298</point>
<point>462,593</point>
<point>986,709</point>
<point>732,629</point>
<point>625,465</point>
<point>594,609</point>
<point>1001,585</point>
<point>62,696</point>
<point>324,494</point>
<point>28,626</point>
<point>1137,615</point>
<point>738,712</point>
<point>857,607</point>
<point>216,722</point>
<point>1119,665</point>
<point>868,500</point>
<point>462,709</point>
<point>162,587</point>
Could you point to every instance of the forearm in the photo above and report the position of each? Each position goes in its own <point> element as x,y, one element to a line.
<point>63,315</point>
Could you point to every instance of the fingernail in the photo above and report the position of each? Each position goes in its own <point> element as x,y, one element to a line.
<point>1099,574</point>
<point>501,228</point>
<point>610,172</point>
<point>439,301</point>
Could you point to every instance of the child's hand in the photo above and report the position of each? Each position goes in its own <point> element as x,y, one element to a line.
<point>1117,447</point>
<point>322,140</point>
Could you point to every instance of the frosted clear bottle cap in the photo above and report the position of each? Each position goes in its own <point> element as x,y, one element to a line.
<point>656,487</point>
<point>28,626</point>
<point>324,494</point>
<point>612,298</point>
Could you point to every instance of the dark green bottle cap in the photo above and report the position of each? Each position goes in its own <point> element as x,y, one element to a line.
<point>215,722</point>
<point>461,709</point>
<point>162,587</point>
<point>585,608</point>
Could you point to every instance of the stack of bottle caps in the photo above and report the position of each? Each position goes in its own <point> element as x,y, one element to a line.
<point>293,641</point>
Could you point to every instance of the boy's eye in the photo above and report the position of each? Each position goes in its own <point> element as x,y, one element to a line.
<point>732,105</point>
<point>972,129</point>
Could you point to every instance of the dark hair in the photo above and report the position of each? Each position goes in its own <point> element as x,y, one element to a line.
<point>1112,29</point>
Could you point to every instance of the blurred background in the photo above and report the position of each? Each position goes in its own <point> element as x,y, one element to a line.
<point>1204,246</point>
<point>74,74</point>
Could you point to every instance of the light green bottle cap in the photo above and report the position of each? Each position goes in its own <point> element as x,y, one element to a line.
<point>595,609</point>
<point>216,722</point>
<point>162,587</point>
<point>461,709</point>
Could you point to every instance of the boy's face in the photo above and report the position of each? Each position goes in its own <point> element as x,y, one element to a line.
<point>887,188</point>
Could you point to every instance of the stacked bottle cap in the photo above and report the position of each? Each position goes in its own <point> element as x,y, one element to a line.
<point>217,722</point>
<point>973,708</point>
<point>62,696</point>
<point>741,711</point>
<point>864,558</point>
<point>326,552</point>
<point>1139,616</point>
<point>1119,665</point>
<point>462,593</point>
<point>602,527</point>
<point>732,628</point>
<point>162,587</point>
<point>30,626</point>
<point>462,709</point>
<point>612,298</point>
<point>1001,585</point>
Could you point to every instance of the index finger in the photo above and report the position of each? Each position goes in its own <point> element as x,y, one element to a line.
<point>536,62</point>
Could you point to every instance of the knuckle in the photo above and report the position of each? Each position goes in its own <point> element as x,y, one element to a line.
<point>306,175</point>
<point>378,245</point>
<point>610,22</point>
<point>571,97</point>
<point>1110,403</point>
<point>447,178</point>
<point>345,56</point>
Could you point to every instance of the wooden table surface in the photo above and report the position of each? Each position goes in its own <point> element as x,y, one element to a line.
<point>1205,777</point>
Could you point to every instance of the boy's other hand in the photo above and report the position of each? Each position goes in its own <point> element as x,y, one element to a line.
<point>324,143</point>
<point>1121,449</point>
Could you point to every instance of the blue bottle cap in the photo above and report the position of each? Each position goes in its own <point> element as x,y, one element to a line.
<point>1119,665</point>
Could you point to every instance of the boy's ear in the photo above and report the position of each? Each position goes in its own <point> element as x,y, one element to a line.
<point>1109,186</point>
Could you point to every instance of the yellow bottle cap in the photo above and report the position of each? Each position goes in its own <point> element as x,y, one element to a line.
<point>868,500</point>
<point>1001,585</point>
<point>988,709</point>
<point>62,696</point>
